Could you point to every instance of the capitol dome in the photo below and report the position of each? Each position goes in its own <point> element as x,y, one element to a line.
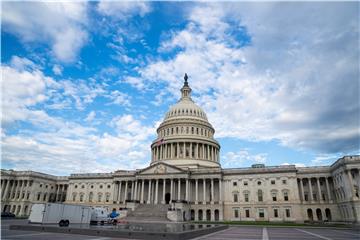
<point>185,137</point>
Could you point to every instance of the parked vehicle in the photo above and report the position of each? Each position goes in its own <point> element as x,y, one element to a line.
<point>62,214</point>
<point>7,215</point>
<point>98,215</point>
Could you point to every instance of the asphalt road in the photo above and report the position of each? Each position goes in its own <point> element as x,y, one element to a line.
<point>238,232</point>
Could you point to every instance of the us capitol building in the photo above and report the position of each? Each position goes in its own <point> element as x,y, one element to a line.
<point>185,181</point>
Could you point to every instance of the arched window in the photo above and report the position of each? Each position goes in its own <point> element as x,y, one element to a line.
<point>99,197</point>
<point>81,197</point>
<point>286,195</point>
<point>74,197</point>
<point>274,195</point>
<point>235,197</point>
<point>107,198</point>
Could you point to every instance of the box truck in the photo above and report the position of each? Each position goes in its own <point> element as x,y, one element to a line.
<point>58,213</point>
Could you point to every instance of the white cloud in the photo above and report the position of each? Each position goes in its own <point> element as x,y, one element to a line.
<point>57,69</point>
<point>119,98</point>
<point>123,10</point>
<point>242,158</point>
<point>296,164</point>
<point>90,117</point>
<point>61,25</point>
<point>288,85</point>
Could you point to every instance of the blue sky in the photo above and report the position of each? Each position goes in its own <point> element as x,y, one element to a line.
<point>84,85</point>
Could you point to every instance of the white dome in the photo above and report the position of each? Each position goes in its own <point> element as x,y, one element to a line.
<point>185,137</point>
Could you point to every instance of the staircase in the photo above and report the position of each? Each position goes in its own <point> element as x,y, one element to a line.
<point>149,212</point>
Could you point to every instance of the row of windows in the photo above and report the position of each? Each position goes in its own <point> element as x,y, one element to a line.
<point>259,183</point>
<point>260,197</point>
<point>185,130</point>
<point>91,197</point>
<point>193,112</point>
<point>92,186</point>
<point>261,213</point>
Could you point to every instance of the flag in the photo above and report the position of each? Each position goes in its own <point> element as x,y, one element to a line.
<point>161,141</point>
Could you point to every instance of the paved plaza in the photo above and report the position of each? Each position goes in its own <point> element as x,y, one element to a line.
<point>238,232</point>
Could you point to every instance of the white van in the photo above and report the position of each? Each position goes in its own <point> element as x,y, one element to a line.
<point>99,215</point>
<point>58,213</point>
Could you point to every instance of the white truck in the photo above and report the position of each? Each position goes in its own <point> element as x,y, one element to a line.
<point>99,215</point>
<point>58,213</point>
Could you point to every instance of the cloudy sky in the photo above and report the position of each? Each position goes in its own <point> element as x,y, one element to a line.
<point>84,85</point>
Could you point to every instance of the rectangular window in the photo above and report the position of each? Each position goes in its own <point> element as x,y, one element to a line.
<point>245,183</point>
<point>323,196</point>
<point>287,212</point>
<point>306,197</point>
<point>247,213</point>
<point>236,213</point>
<point>235,198</point>
<point>246,197</point>
<point>314,197</point>
<point>286,196</point>
<point>274,198</point>
<point>234,184</point>
<point>260,198</point>
<point>261,213</point>
<point>276,213</point>
<point>272,182</point>
<point>284,181</point>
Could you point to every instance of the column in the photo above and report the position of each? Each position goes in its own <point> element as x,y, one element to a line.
<point>5,193</point>
<point>142,191</point>
<point>179,189</point>
<point>184,154</point>
<point>164,189</point>
<point>171,150</point>
<point>351,184</point>
<point>196,191</point>
<point>204,191</point>
<point>149,193</point>
<point>208,152</point>
<point>190,151</point>
<point>171,189</point>
<point>302,189</point>
<point>327,189</point>
<point>178,150</point>
<point>57,192</point>
<point>310,189</point>
<point>203,151</point>
<point>197,152</point>
<point>187,190</point>
<point>212,191</point>
<point>319,189</point>
<point>136,190</point>
<point>12,190</point>
<point>119,193</point>
<point>126,191</point>
<point>220,192</point>
<point>156,191</point>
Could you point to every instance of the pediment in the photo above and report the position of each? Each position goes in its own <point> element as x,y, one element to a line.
<point>160,168</point>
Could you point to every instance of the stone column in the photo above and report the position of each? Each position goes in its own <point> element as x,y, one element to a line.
<point>57,192</point>
<point>302,190</point>
<point>184,154</point>
<point>164,189</point>
<point>310,189</point>
<point>204,191</point>
<point>171,189</point>
<point>197,152</point>
<point>351,184</point>
<point>142,191</point>
<point>136,190</point>
<point>149,193</point>
<point>196,191</point>
<point>318,189</point>
<point>12,190</point>
<point>126,191</point>
<point>327,189</point>
<point>178,150</point>
<point>190,150</point>
<point>156,191</point>
<point>220,192</point>
<point>179,189</point>
<point>6,191</point>
<point>212,191</point>
<point>187,190</point>
<point>203,151</point>
<point>208,152</point>
<point>119,193</point>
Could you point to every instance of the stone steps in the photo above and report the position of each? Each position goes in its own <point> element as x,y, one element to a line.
<point>151,212</point>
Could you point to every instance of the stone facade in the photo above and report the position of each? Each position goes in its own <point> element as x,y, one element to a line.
<point>185,173</point>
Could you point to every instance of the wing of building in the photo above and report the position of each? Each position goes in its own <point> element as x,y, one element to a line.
<point>185,175</point>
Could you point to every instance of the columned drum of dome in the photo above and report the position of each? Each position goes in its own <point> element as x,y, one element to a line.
<point>185,137</point>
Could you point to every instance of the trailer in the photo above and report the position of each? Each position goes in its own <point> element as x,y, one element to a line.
<point>58,213</point>
<point>99,215</point>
